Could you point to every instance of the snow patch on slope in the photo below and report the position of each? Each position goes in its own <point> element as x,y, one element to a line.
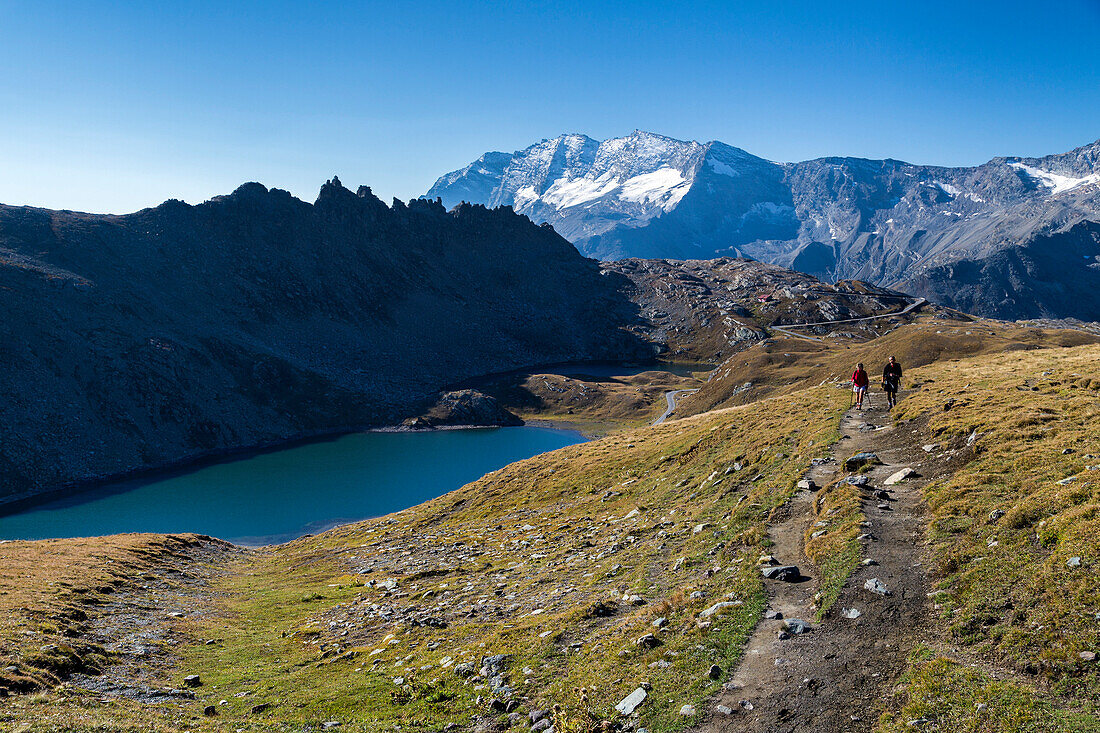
<point>1056,182</point>
<point>665,186</point>
<point>723,169</point>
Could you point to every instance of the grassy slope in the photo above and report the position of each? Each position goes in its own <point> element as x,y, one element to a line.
<point>550,533</point>
<point>547,534</point>
<point>1007,593</point>
<point>49,588</point>
<point>784,364</point>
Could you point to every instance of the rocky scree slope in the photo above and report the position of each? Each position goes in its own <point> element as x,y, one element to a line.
<point>143,340</point>
<point>1012,238</point>
<point>706,310</point>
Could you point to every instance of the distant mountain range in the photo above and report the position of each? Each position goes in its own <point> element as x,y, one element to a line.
<point>1012,238</point>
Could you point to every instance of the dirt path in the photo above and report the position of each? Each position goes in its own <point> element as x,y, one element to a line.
<point>837,677</point>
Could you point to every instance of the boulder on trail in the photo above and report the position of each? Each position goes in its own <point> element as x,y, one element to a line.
<point>876,586</point>
<point>902,475</point>
<point>858,480</point>
<point>807,484</point>
<point>797,626</point>
<point>786,573</point>
<point>859,460</point>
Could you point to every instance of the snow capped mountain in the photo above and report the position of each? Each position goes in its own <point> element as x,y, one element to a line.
<point>589,190</point>
<point>885,221</point>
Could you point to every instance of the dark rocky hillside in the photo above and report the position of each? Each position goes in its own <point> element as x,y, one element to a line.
<point>138,341</point>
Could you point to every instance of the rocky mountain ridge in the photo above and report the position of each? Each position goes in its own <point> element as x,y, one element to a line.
<point>150,339</point>
<point>1012,238</point>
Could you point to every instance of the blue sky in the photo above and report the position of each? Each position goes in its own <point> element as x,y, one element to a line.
<point>111,107</point>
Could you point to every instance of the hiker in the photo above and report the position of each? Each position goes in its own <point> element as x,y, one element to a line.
<point>859,384</point>
<point>891,381</point>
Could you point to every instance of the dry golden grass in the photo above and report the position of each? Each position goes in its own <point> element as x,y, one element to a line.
<point>49,588</point>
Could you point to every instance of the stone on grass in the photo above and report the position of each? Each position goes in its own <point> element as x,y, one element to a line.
<point>648,641</point>
<point>631,702</point>
<point>1087,656</point>
<point>715,672</point>
<point>1074,562</point>
<point>719,607</point>
<point>192,680</point>
<point>687,711</point>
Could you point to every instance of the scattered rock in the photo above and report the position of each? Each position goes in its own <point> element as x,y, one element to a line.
<point>785,573</point>
<point>631,702</point>
<point>807,484</point>
<point>257,709</point>
<point>1087,656</point>
<point>771,615</point>
<point>330,724</point>
<point>715,672</point>
<point>858,480</point>
<point>687,711</point>
<point>192,680</point>
<point>995,515</point>
<point>723,710</point>
<point>859,460</point>
<point>876,586</point>
<point>210,711</point>
<point>902,475</point>
<point>660,622</point>
<point>797,626</point>
<point>850,613</point>
<point>648,641</point>
<point>1074,562</point>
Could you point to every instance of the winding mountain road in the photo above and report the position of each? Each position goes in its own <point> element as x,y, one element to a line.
<point>784,328</point>
<point>670,400</point>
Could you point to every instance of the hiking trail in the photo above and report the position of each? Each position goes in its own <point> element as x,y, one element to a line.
<point>838,676</point>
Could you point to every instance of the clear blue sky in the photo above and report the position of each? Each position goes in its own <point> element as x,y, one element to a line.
<point>114,106</point>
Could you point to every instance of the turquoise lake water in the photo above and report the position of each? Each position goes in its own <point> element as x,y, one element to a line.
<point>283,494</point>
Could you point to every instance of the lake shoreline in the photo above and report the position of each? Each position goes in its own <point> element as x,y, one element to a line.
<point>19,503</point>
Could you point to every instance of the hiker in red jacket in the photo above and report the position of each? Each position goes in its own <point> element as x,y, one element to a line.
<point>859,384</point>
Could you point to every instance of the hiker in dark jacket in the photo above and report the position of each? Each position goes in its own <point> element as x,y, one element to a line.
<point>859,384</point>
<point>891,381</point>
